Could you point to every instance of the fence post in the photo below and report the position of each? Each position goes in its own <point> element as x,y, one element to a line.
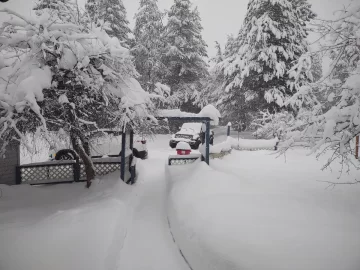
<point>357,147</point>
<point>123,148</point>
<point>207,141</point>
<point>228,129</point>
<point>77,170</point>
<point>18,175</point>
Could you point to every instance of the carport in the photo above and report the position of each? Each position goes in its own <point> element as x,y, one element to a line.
<point>196,119</point>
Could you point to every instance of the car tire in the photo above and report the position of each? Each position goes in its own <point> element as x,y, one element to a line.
<point>135,153</point>
<point>173,145</point>
<point>197,145</point>
<point>66,154</point>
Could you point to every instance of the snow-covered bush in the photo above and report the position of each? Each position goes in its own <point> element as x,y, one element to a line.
<point>58,72</point>
<point>272,125</point>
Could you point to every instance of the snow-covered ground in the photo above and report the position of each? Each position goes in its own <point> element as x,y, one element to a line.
<point>64,226</point>
<point>253,211</point>
<point>249,210</point>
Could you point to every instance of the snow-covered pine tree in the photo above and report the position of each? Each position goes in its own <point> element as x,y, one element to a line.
<point>219,54</point>
<point>64,76</point>
<point>63,10</point>
<point>316,66</point>
<point>272,38</point>
<point>185,52</point>
<point>211,84</point>
<point>92,9</point>
<point>149,44</point>
<point>112,13</point>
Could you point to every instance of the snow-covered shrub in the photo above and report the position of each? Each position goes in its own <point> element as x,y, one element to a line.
<point>271,125</point>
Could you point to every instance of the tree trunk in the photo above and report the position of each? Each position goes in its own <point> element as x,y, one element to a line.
<point>81,145</point>
<point>89,166</point>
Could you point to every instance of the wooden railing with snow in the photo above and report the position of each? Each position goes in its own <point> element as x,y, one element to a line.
<point>68,171</point>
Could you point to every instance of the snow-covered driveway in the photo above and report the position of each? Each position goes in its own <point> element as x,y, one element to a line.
<point>149,244</point>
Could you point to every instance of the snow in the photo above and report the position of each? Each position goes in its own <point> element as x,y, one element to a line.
<point>68,59</point>
<point>249,210</point>
<point>190,128</point>
<point>183,146</point>
<point>253,211</point>
<point>67,226</point>
<point>175,113</point>
<point>247,144</point>
<point>208,111</point>
<point>211,112</point>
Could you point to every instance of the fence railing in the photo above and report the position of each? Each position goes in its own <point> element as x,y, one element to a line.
<point>54,172</point>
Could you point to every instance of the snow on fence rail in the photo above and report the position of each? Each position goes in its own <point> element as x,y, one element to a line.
<point>67,171</point>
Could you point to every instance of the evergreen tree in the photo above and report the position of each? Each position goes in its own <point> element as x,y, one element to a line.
<point>112,13</point>
<point>92,9</point>
<point>272,38</point>
<point>316,67</point>
<point>185,52</point>
<point>62,10</point>
<point>149,43</point>
<point>219,54</point>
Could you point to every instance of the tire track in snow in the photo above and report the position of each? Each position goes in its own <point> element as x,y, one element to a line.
<point>149,244</point>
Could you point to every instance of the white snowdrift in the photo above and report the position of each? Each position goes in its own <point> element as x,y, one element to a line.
<point>245,144</point>
<point>262,213</point>
<point>241,144</point>
<point>217,148</point>
<point>64,226</point>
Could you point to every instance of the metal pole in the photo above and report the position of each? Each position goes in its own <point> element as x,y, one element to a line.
<point>123,147</point>
<point>357,148</point>
<point>207,141</point>
<point>228,129</point>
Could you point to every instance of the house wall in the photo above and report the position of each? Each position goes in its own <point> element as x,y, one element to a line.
<point>8,163</point>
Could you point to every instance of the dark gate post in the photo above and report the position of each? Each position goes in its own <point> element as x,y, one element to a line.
<point>207,141</point>
<point>123,147</point>
<point>131,139</point>
<point>228,129</point>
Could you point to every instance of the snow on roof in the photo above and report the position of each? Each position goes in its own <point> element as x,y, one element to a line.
<point>212,112</point>
<point>208,111</point>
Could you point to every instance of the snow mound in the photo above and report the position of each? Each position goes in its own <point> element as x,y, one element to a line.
<point>244,144</point>
<point>47,224</point>
<point>278,217</point>
<point>217,148</point>
<point>183,146</point>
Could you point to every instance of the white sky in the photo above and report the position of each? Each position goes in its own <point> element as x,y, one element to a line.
<point>219,17</point>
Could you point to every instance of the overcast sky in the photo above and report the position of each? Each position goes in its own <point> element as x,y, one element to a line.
<point>219,17</point>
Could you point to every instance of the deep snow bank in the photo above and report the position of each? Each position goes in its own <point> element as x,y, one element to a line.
<point>246,144</point>
<point>277,217</point>
<point>64,226</point>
